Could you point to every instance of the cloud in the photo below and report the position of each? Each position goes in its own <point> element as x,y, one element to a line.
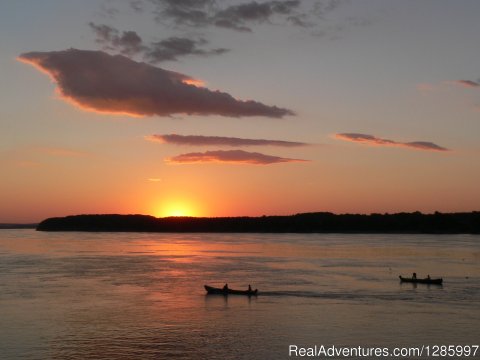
<point>467,83</point>
<point>237,17</point>
<point>170,49</point>
<point>373,140</point>
<point>424,145</point>
<point>97,81</point>
<point>428,87</point>
<point>128,43</point>
<point>364,138</point>
<point>184,12</point>
<point>241,17</point>
<point>229,156</point>
<point>198,140</point>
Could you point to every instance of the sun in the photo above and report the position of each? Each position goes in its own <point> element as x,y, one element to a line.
<point>177,212</point>
<point>175,209</point>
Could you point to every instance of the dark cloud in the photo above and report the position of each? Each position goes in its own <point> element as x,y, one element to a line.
<point>300,20</point>
<point>198,140</point>
<point>373,140</point>
<point>237,17</point>
<point>230,156</point>
<point>128,42</point>
<point>184,12</point>
<point>105,34</point>
<point>243,15</point>
<point>467,83</point>
<point>170,49</point>
<point>95,80</point>
<point>424,145</point>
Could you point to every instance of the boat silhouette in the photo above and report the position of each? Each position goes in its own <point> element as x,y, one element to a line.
<point>421,281</point>
<point>228,291</point>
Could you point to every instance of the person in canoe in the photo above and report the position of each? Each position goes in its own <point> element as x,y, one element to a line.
<point>225,287</point>
<point>414,276</point>
<point>249,288</point>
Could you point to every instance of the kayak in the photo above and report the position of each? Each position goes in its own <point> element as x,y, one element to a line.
<point>422,281</point>
<point>221,291</point>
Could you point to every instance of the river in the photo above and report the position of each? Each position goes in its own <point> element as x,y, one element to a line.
<point>72,295</point>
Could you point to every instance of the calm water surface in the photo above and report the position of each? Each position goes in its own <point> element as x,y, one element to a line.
<point>141,296</point>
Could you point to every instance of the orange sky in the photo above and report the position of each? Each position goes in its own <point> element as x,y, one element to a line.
<point>335,115</point>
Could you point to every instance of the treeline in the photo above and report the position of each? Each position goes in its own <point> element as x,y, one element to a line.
<point>415,223</point>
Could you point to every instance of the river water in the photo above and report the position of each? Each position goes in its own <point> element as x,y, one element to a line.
<point>140,295</point>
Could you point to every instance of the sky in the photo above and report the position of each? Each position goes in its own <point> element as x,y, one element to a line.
<point>238,107</point>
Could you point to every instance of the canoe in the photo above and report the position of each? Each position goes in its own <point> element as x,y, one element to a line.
<point>421,281</point>
<point>221,291</point>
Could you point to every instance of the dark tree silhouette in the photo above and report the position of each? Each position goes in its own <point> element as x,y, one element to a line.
<point>415,223</point>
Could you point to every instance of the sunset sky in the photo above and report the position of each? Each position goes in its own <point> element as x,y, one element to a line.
<point>238,107</point>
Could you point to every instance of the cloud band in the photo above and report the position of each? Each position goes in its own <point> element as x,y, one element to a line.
<point>199,140</point>
<point>375,141</point>
<point>229,156</point>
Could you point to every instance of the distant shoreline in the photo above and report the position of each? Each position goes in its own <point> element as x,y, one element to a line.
<point>400,223</point>
<point>17,226</point>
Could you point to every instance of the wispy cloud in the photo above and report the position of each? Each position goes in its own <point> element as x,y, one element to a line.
<point>237,17</point>
<point>467,83</point>
<point>430,87</point>
<point>364,138</point>
<point>229,156</point>
<point>424,145</point>
<point>174,47</point>
<point>375,141</point>
<point>320,18</point>
<point>128,42</point>
<point>199,140</point>
<point>170,49</point>
<point>97,81</point>
<point>242,16</point>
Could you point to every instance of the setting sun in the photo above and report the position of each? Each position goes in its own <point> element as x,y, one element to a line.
<point>175,209</point>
